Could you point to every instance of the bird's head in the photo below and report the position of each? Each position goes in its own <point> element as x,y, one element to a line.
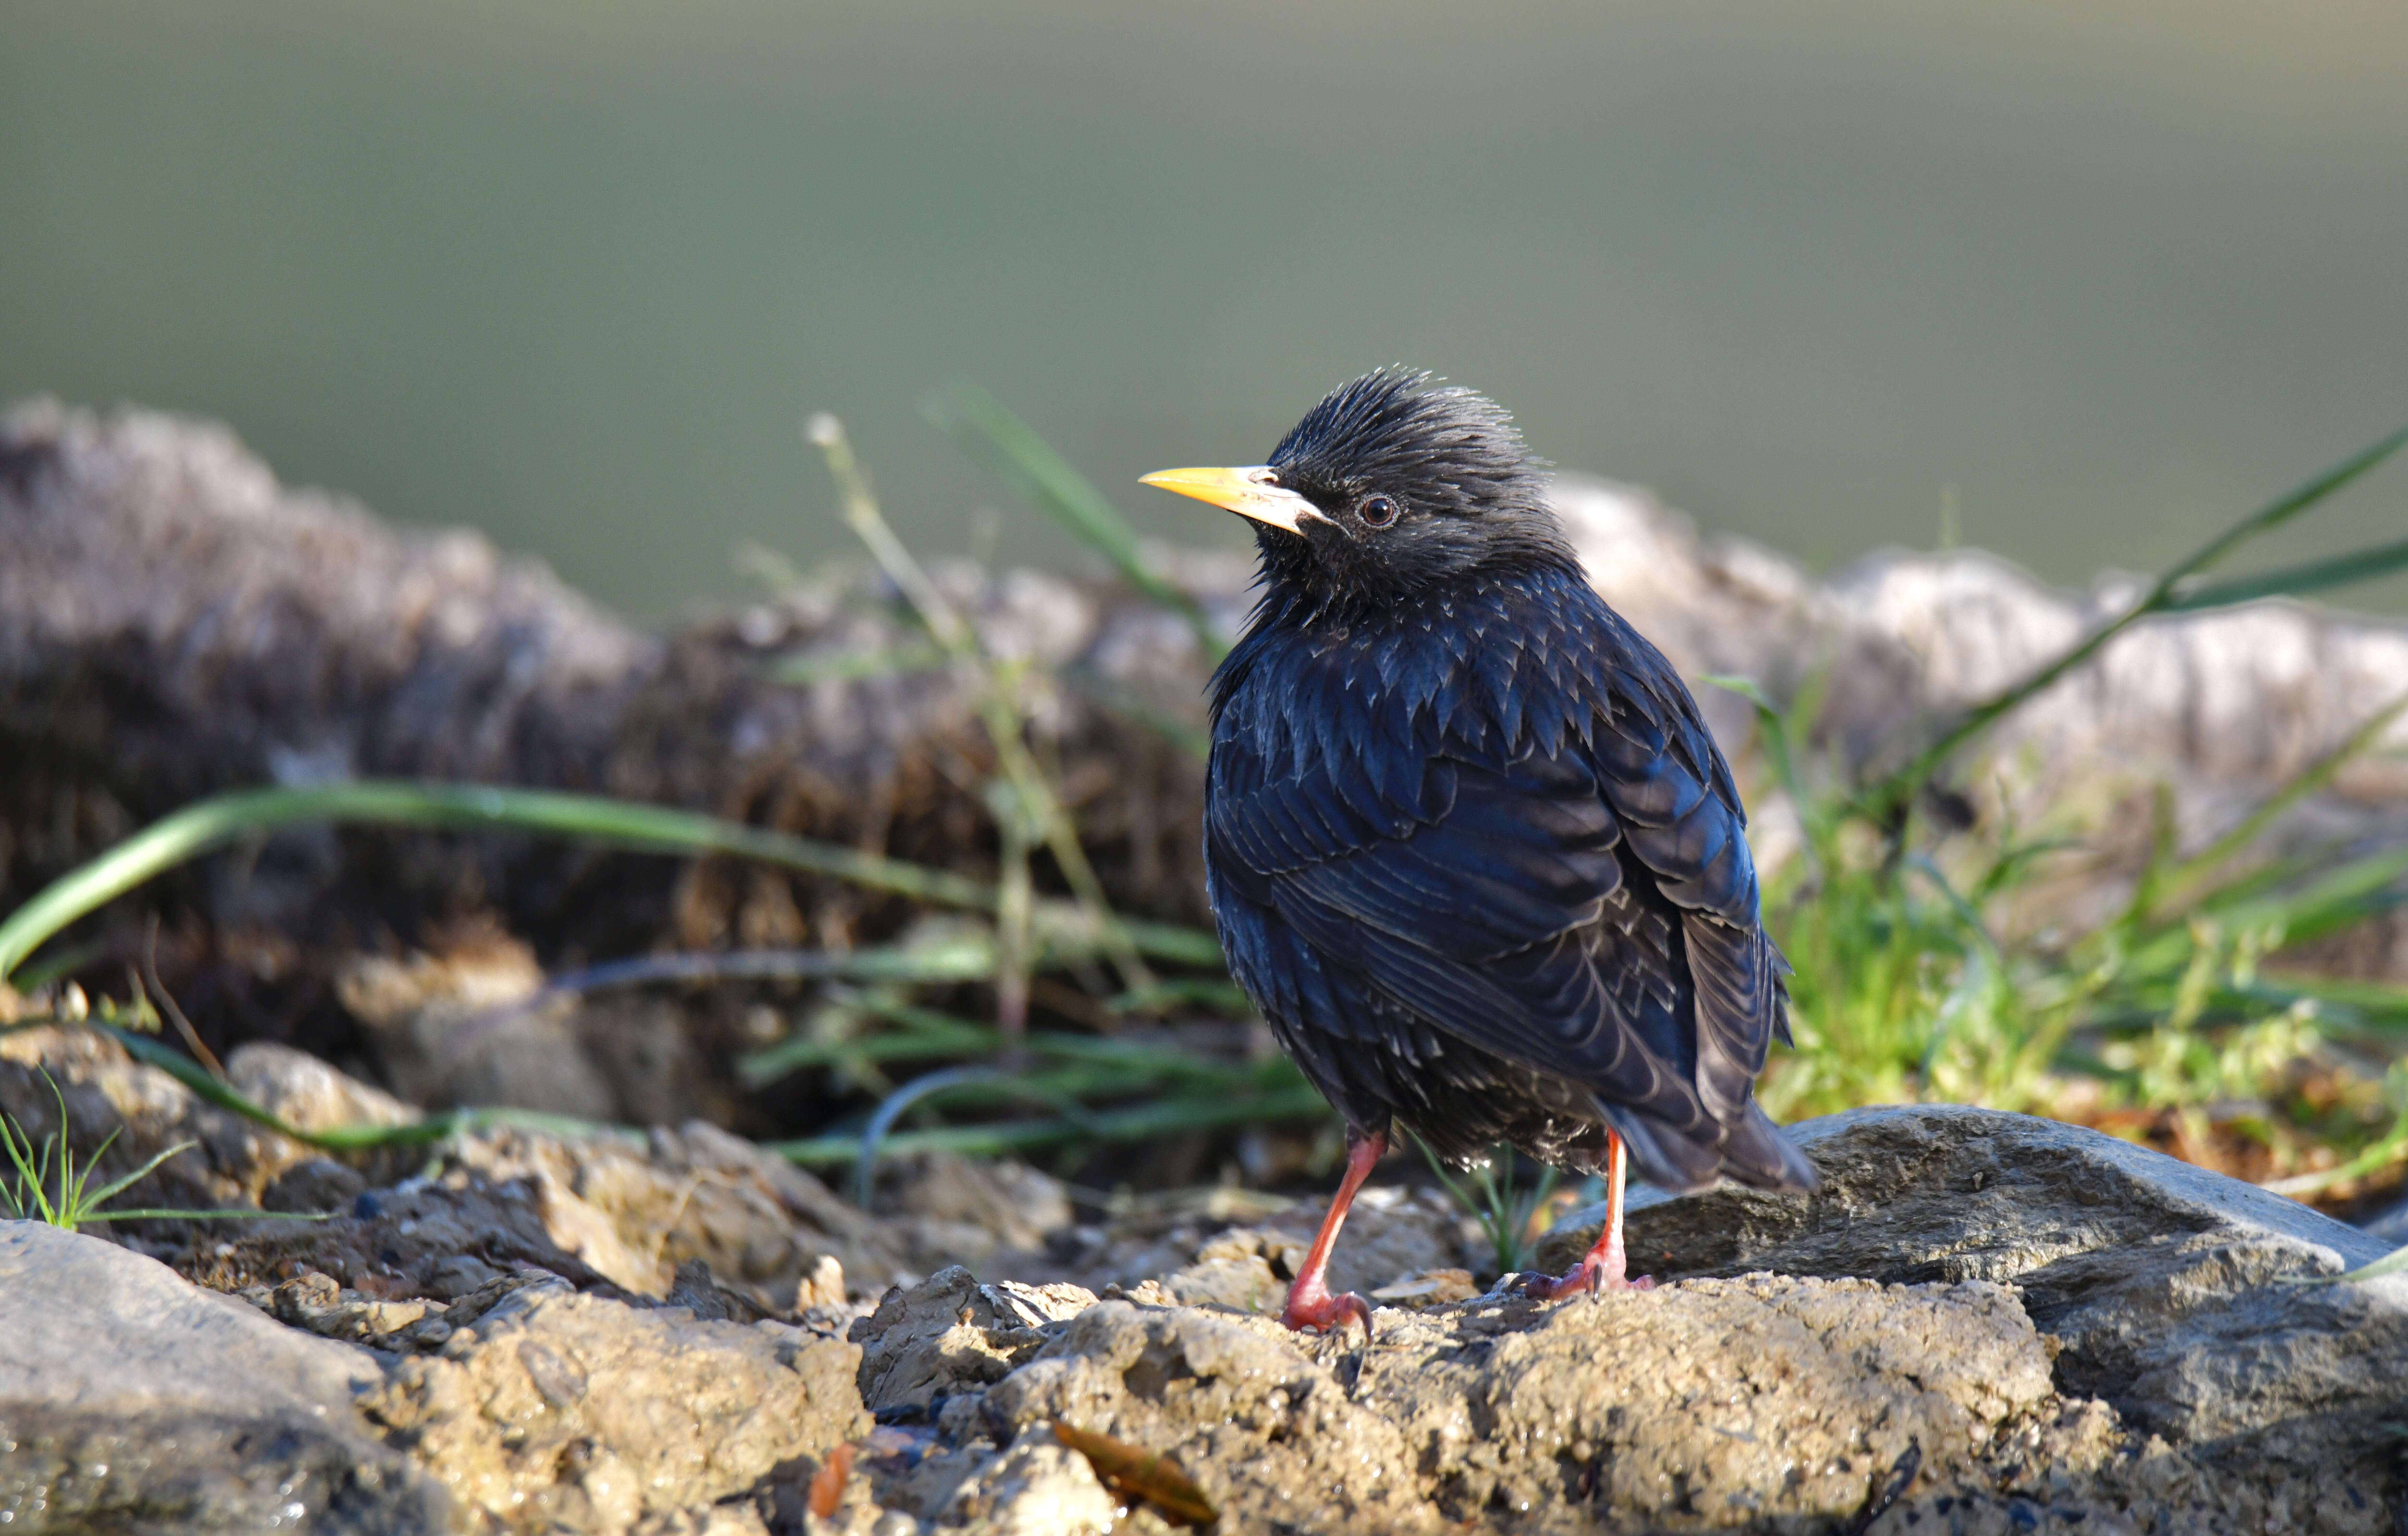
<point>1386,488</point>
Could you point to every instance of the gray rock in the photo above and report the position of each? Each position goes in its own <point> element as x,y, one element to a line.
<point>2165,1284</point>
<point>956,1211</point>
<point>1034,1489</point>
<point>305,1092</point>
<point>131,1399</point>
<point>1765,1403</point>
<point>949,1335</point>
<point>546,1409</point>
<point>2390,1227</point>
<point>316,1184</point>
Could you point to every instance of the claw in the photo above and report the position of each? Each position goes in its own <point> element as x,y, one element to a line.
<point>1326,1312</point>
<point>1589,1275</point>
<point>1602,1269</point>
<point>1310,1305</point>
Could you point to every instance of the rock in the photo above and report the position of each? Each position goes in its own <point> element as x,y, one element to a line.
<point>314,1185</point>
<point>1766,1402</point>
<point>961,1212</point>
<point>1430,1288</point>
<point>439,1237</point>
<point>1034,1489</point>
<point>950,1335</point>
<point>549,1408</point>
<point>2391,1227</point>
<point>316,1303</point>
<point>699,1292</point>
<point>449,1279</point>
<point>130,1399</point>
<point>308,1094</point>
<point>1391,1233</point>
<point>470,1027</point>
<point>1740,1399</point>
<point>471,1023</point>
<point>1244,1269</point>
<point>737,1520</point>
<point>821,1289</point>
<point>615,1210</point>
<point>2164,1283</point>
<point>1270,1436</point>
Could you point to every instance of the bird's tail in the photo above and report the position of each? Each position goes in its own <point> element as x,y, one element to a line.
<point>1756,1152</point>
<point>1752,1152</point>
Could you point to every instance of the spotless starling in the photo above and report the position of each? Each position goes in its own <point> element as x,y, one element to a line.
<point>1470,848</point>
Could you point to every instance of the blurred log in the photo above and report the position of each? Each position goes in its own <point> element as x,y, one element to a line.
<point>174,622</point>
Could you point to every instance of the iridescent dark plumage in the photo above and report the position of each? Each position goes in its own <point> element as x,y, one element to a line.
<point>1470,848</point>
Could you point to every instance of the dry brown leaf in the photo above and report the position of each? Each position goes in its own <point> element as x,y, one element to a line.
<point>1136,1473</point>
<point>827,1483</point>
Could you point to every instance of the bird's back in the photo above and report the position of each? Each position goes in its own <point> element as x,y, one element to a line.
<point>1480,863</point>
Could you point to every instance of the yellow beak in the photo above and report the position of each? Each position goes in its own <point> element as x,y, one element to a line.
<point>1252,491</point>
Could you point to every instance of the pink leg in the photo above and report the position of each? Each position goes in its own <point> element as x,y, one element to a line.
<point>1309,1301</point>
<point>1603,1267</point>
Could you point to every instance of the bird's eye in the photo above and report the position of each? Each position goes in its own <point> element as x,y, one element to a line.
<point>1377,511</point>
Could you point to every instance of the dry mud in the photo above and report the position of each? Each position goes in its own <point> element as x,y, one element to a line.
<point>524,1333</point>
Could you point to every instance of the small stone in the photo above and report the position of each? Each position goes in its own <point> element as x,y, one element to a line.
<point>459,1275</point>
<point>1036,1489</point>
<point>821,1286</point>
<point>314,1185</point>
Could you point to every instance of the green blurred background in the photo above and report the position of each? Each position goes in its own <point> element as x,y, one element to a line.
<point>2099,276</point>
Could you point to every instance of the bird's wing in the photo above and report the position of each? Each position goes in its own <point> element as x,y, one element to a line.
<point>1682,822</point>
<point>1588,910</point>
<point>1489,900</point>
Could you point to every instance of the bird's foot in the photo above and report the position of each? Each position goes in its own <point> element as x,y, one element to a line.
<point>1314,1307</point>
<point>1591,1274</point>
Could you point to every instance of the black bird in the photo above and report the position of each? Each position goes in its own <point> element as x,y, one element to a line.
<point>1470,846</point>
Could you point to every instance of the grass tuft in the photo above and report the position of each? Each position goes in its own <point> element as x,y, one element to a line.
<point>46,1186</point>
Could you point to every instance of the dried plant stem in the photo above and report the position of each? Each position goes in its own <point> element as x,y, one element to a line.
<point>997,712</point>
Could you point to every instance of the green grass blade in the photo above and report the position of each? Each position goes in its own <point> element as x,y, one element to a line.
<point>2360,1003</point>
<point>209,825</point>
<point>992,434</point>
<point>2185,875</point>
<point>1888,802</point>
<point>764,1066</point>
<point>1136,1124</point>
<point>118,1186</point>
<point>354,1137</point>
<point>2340,894</point>
<point>1006,729</point>
<point>1773,726</point>
<point>2395,1262</point>
<point>2284,507</point>
<point>2340,571</point>
<point>172,1214</point>
<point>854,665</point>
<point>29,1198</point>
